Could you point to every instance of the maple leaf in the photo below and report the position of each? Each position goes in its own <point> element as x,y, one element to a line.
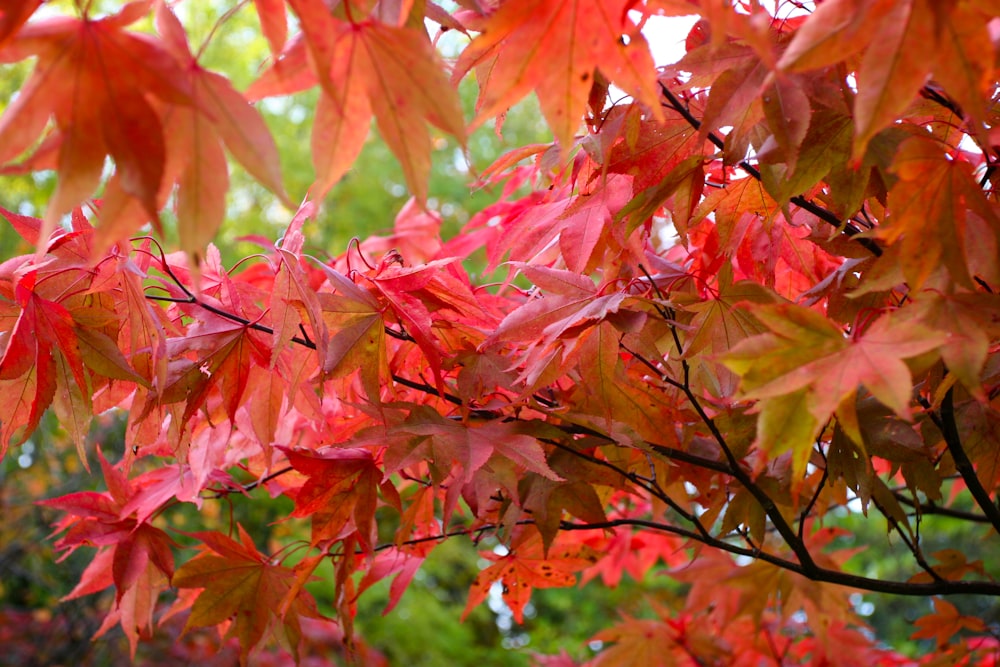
<point>804,368</point>
<point>650,150</point>
<point>736,207</point>
<point>626,551</point>
<point>953,565</point>
<point>425,297</point>
<point>195,158</point>
<point>239,583</point>
<point>118,71</point>
<point>890,31</point>
<point>933,199</point>
<point>637,642</point>
<point>554,47</point>
<point>41,343</point>
<point>942,625</point>
<point>526,567</point>
<point>570,300</point>
<point>340,494</point>
<point>366,68</point>
<point>135,556</point>
<point>835,30</point>
<point>548,499</point>
<point>963,33</point>
<point>889,77</point>
<point>426,435</point>
<point>13,14</point>
<point>630,411</point>
<point>717,324</point>
<point>223,351</point>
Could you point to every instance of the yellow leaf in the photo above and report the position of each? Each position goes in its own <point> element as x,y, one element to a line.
<point>805,367</point>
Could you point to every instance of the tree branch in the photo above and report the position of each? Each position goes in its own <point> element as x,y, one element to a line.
<point>949,429</point>
<point>934,508</point>
<point>943,587</point>
<point>847,227</point>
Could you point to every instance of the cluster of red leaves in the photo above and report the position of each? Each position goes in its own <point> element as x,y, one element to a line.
<point>822,335</point>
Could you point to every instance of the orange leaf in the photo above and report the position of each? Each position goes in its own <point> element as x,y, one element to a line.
<point>890,76</point>
<point>553,47</point>
<point>836,30</point>
<point>370,68</point>
<point>197,136</point>
<point>942,625</point>
<point>526,567</point>
<point>120,72</point>
<point>637,642</point>
<point>340,493</point>
<point>341,124</point>
<point>933,199</point>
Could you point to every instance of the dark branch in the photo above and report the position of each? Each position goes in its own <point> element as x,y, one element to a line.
<point>934,508</point>
<point>847,227</point>
<point>815,573</point>
<point>949,429</point>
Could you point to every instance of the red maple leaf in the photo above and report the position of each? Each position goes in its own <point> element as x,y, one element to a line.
<point>134,556</point>
<point>119,72</point>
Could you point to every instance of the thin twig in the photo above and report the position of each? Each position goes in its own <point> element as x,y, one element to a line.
<point>847,227</point>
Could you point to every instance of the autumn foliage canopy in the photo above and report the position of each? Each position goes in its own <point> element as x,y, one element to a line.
<point>738,299</point>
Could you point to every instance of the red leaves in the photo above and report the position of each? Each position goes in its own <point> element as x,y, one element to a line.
<point>216,354</point>
<point>117,69</point>
<point>139,91</point>
<point>758,291</point>
<point>340,494</point>
<point>42,357</point>
<point>13,13</point>
<point>135,556</point>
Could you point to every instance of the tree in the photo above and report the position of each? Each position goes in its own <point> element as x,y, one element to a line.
<point>725,320</point>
